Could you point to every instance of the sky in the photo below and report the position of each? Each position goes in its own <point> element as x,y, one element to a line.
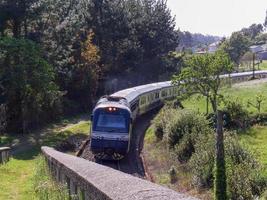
<point>217,17</point>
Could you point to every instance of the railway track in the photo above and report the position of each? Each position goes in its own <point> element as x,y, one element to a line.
<point>132,163</point>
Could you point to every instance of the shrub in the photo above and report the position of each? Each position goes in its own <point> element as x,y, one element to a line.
<point>183,130</point>
<point>173,174</point>
<point>202,161</point>
<point>162,119</point>
<point>244,180</point>
<point>237,112</point>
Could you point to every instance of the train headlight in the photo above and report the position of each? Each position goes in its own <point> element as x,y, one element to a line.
<point>112,109</point>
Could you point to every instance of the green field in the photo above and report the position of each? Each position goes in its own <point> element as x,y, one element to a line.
<point>240,93</point>
<point>263,65</point>
<point>17,175</point>
<point>255,139</point>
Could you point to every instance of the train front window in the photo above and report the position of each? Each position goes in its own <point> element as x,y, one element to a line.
<point>111,122</point>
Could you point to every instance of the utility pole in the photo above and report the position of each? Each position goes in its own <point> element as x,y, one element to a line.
<point>253,76</point>
<point>220,171</point>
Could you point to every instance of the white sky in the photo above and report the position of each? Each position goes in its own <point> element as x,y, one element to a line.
<point>217,17</point>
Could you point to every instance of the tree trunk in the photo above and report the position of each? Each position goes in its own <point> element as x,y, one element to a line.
<point>220,174</point>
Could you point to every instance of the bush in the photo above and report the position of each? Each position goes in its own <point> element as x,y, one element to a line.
<point>237,112</point>
<point>173,174</point>
<point>162,119</point>
<point>244,180</point>
<point>182,132</point>
<point>202,161</point>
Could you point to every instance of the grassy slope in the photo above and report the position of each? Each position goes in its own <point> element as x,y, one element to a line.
<point>159,161</point>
<point>158,158</point>
<point>16,176</point>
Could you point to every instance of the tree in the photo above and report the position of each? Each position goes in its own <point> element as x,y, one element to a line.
<point>220,191</point>
<point>252,31</point>
<point>84,83</point>
<point>236,46</point>
<point>265,23</point>
<point>28,90</point>
<point>201,75</point>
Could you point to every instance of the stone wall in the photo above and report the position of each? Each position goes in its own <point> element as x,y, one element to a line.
<point>4,154</point>
<point>89,180</point>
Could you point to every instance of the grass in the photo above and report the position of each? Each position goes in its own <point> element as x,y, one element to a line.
<point>242,93</point>
<point>44,184</point>
<point>17,176</point>
<point>263,65</point>
<point>255,139</point>
<point>159,161</point>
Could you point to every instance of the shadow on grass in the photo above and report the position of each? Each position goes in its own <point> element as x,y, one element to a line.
<point>29,153</point>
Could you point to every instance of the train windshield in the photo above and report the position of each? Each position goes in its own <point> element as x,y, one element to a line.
<point>111,122</point>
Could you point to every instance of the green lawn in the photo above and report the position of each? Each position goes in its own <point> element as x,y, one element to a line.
<point>16,177</point>
<point>255,139</point>
<point>263,65</point>
<point>242,93</point>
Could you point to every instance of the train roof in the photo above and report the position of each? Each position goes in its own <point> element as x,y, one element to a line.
<point>132,93</point>
<point>117,102</point>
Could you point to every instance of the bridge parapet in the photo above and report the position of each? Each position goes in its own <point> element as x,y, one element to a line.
<point>88,180</point>
<point>4,154</point>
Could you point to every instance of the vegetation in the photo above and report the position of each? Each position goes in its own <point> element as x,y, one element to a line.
<point>245,175</point>
<point>67,53</point>
<point>24,174</point>
<point>236,93</point>
<point>45,186</point>
<point>202,76</point>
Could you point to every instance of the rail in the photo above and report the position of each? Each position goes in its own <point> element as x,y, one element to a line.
<point>4,154</point>
<point>88,180</point>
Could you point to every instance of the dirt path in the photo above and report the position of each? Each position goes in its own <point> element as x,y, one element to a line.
<point>26,142</point>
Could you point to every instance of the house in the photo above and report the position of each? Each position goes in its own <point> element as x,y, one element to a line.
<point>260,50</point>
<point>213,47</point>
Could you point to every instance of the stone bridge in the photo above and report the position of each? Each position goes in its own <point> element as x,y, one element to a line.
<point>88,180</point>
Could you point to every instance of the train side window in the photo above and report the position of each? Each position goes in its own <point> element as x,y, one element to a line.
<point>157,95</point>
<point>142,100</point>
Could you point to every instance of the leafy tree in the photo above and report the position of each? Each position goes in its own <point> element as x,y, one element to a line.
<point>236,46</point>
<point>201,75</point>
<point>84,83</point>
<point>28,90</point>
<point>252,31</point>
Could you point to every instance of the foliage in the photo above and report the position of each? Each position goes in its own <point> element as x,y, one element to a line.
<point>173,174</point>
<point>236,46</point>
<point>27,82</point>
<point>201,76</point>
<point>45,187</point>
<point>244,174</point>
<point>252,31</point>
<point>259,99</point>
<point>182,131</point>
<point>237,111</point>
<point>162,119</point>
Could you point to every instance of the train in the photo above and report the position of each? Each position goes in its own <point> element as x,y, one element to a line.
<point>113,116</point>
